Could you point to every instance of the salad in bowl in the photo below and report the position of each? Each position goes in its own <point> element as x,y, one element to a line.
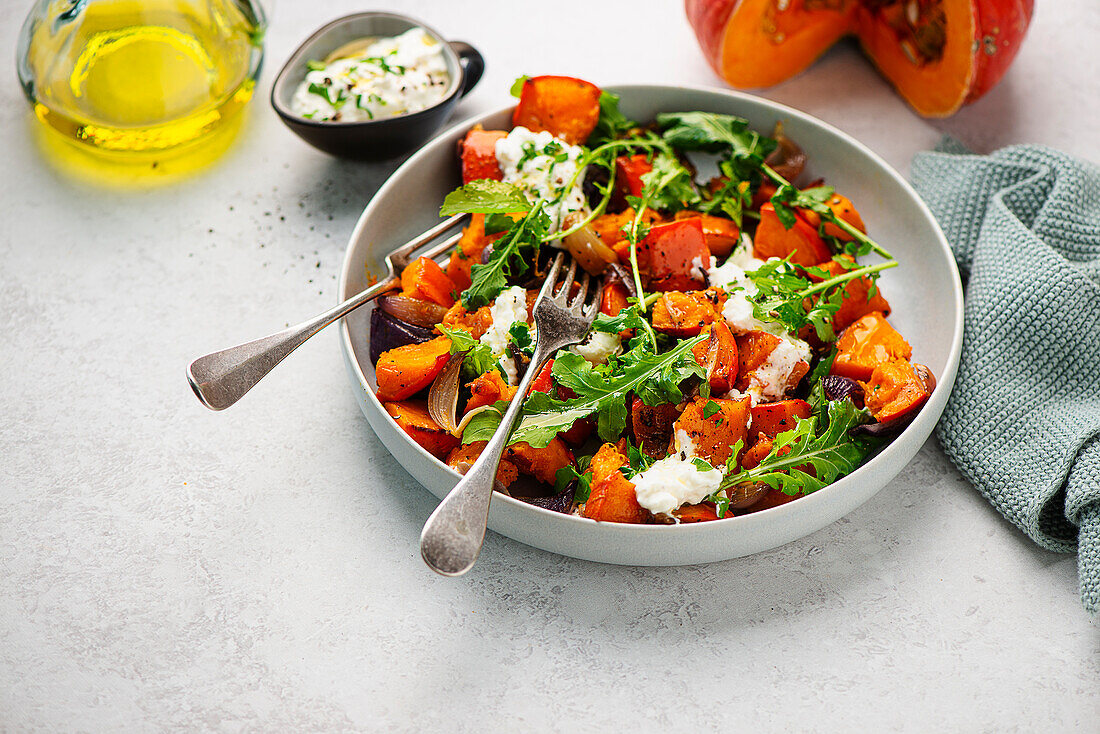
<point>742,358</point>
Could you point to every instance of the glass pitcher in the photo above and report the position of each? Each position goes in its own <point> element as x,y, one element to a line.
<point>140,75</point>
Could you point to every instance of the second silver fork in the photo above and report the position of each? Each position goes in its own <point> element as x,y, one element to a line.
<point>452,537</point>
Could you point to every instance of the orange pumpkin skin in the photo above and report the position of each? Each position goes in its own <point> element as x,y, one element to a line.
<point>752,43</point>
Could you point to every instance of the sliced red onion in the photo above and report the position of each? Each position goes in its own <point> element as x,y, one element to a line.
<point>838,388</point>
<point>387,332</point>
<point>561,502</point>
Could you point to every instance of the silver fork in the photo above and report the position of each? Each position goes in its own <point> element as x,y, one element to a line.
<point>452,537</point>
<point>222,378</point>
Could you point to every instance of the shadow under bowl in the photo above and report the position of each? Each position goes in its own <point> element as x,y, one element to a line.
<point>372,140</point>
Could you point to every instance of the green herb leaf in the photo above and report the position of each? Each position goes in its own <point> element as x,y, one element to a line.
<point>787,198</point>
<point>566,475</point>
<point>711,408</point>
<point>517,86</point>
<point>510,257</point>
<point>322,90</point>
<point>669,186</point>
<point>702,464</point>
<point>655,378</point>
<point>731,199</point>
<point>832,453</point>
<point>314,65</point>
<point>715,133</point>
<point>519,333</point>
<point>612,124</point>
<point>479,357</point>
<point>638,461</point>
<point>819,404</point>
<point>484,424</point>
<point>485,196</point>
<point>628,318</point>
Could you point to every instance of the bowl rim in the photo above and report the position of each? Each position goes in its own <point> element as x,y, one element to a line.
<point>287,114</point>
<point>930,414</point>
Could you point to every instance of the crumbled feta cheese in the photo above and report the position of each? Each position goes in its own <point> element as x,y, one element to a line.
<point>543,167</point>
<point>674,481</point>
<point>732,271</point>
<point>391,77</point>
<point>738,312</point>
<point>730,275</point>
<point>769,380</point>
<point>599,346</point>
<point>509,307</point>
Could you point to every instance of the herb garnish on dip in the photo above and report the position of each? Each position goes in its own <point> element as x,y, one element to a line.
<point>390,77</point>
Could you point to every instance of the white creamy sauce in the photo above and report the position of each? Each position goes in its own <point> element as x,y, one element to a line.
<point>509,307</point>
<point>391,77</point>
<point>543,166</point>
<point>599,346</point>
<point>675,480</point>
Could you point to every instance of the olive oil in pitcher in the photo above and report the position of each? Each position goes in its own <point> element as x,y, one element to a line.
<point>140,75</point>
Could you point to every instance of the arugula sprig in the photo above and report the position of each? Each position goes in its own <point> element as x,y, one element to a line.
<point>785,294</point>
<point>604,155</point>
<point>510,258</point>
<point>512,252</point>
<point>731,199</point>
<point>744,148</point>
<point>628,318</point>
<point>786,196</point>
<point>485,196</point>
<point>567,475</point>
<point>478,357</point>
<point>669,187</point>
<point>655,378</point>
<point>611,124</point>
<point>747,150</point>
<point>832,453</point>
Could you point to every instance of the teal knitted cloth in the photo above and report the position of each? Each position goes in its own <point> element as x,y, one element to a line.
<point>1023,422</point>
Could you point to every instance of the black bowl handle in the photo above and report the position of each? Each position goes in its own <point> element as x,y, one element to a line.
<point>473,64</point>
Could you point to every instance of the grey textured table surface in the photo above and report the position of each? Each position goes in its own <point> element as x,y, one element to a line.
<point>164,567</point>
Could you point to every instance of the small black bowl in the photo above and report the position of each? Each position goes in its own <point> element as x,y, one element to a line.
<point>372,139</point>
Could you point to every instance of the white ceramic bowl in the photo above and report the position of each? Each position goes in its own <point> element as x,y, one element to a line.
<point>924,291</point>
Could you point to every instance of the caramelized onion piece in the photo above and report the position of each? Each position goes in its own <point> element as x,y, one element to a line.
<point>589,250</point>
<point>443,395</point>
<point>412,310</point>
<point>787,159</point>
<point>746,494</point>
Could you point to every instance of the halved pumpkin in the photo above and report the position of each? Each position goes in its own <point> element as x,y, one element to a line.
<point>939,54</point>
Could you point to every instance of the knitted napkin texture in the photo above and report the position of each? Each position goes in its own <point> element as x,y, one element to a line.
<point>1023,422</point>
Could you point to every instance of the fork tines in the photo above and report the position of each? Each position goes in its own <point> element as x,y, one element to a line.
<point>561,295</point>
<point>404,254</point>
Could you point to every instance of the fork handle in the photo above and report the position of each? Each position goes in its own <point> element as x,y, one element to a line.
<point>452,537</point>
<point>222,378</point>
